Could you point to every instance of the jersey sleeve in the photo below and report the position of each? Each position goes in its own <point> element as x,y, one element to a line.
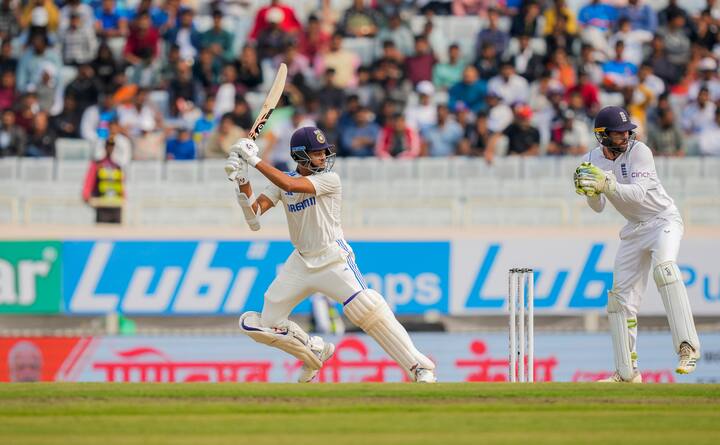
<point>326,183</point>
<point>273,193</point>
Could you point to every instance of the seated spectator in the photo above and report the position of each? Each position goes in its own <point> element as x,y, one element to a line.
<point>78,42</point>
<point>278,138</point>
<point>499,114</point>
<point>242,114</point>
<point>634,41</point>
<point>677,42</point>
<point>488,64</point>
<point>41,16</point>
<point>142,35</point>
<point>708,78</point>
<point>185,35</point>
<point>424,114</point>
<point>329,124</point>
<point>183,87</point>
<point>511,87</point>
<point>419,66</point>
<point>8,93</point>
<point>641,17</point>
<point>82,10</point>
<point>569,136</point>
<point>471,91</point>
<point>671,10</point>
<point>492,34</point>
<point>709,138</point>
<point>359,21</point>
<point>315,40</point>
<point>662,67</point>
<point>249,72</point>
<point>398,140</point>
<point>330,94</point>
<point>588,64</point>
<point>471,8</point>
<point>67,123</point>
<point>618,72</point>
<point>637,99</point>
<point>596,19</point>
<point>665,138</point>
<point>41,138</point>
<point>32,61</point>
<point>705,32</point>
<point>525,60</point>
<point>110,21</point>
<point>85,88</point>
<point>206,69</point>
<point>204,126</point>
<point>360,138</point>
<point>105,67</point>
<point>279,13</point>
<point>368,91</point>
<point>25,111</point>
<point>476,137</point>
<point>343,61</point>
<point>398,33</point>
<point>447,74</point>
<point>651,81</point>
<point>436,39</point>
<point>223,137</point>
<point>272,40</point>
<point>443,138</point>
<point>588,91</point>
<point>559,37</point>
<point>528,21</point>
<point>217,39</point>
<point>560,17</point>
<point>122,153</point>
<point>227,90</point>
<point>46,87</point>
<point>9,21</point>
<point>8,62</point>
<point>181,146</point>
<point>12,137</point>
<point>103,188</point>
<point>139,116</point>
<point>699,114</point>
<point>522,138</point>
<point>95,122</point>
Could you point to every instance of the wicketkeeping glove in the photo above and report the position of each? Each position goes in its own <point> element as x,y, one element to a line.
<point>593,180</point>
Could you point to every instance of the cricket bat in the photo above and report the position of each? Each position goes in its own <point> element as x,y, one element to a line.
<point>270,103</point>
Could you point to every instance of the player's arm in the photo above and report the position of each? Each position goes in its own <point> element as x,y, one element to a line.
<point>248,150</point>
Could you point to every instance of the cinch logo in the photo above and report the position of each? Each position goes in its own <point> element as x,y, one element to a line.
<point>641,175</point>
<point>302,205</point>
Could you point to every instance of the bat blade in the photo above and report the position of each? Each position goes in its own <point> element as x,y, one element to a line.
<point>270,103</point>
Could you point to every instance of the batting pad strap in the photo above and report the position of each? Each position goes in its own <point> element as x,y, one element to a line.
<point>369,311</point>
<point>620,337</point>
<point>289,338</point>
<point>245,202</point>
<point>677,305</point>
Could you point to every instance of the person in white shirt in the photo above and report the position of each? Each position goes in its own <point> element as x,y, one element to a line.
<point>321,262</point>
<point>622,171</point>
<point>511,87</point>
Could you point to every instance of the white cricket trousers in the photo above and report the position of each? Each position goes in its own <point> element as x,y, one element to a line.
<point>339,279</point>
<point>642,247</point>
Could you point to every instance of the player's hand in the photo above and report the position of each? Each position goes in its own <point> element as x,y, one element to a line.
<point>593,179</point>
<point>236,169</point>
<point>576,179</point>
<point>248,150</point>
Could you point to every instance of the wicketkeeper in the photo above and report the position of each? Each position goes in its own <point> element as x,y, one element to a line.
<point>622,171</point>
<point>321,262</point>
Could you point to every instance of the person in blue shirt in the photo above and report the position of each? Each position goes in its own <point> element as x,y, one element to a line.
<point>182,147</point>
<point>360,137</point>
<point>442,139</point>
<point>598,15</point>
<point>471,91</point>
<point>642,17</point>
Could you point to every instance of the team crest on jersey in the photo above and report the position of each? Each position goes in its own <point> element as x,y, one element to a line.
<point>623,170</point>
<point>319,136</point>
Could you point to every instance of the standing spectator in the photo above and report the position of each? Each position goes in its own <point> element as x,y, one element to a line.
<point>470,91</point>
<point>443,138</point>
<point>492,34</point>
<point>67,123</point>
<point>359,21</point>
<point>110,22</point>
<point>12,137</point>
<point>32,61</point>
<point>641,17</point>
<point>398,140</point>
<point>511,87</point>
<point>217,39</point>
<point>104,189</point>
<point>41,139</point>
<point>699,114</point>
<point>204,126</point>
<point>671,10</point>
<point>449,73</point>
<point>343,61</point>
<point>181,146</point>
<point>143,35</point>
<point>360,137</point>
<point>419,66</point>
<point>223,137</point>
<point>665,138</point>
<point>79,44</point>
<point>85,88</point>
<point>288,22</point>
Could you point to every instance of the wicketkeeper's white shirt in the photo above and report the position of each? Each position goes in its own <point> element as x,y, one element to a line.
<point>313,219</point>
<point>639,196</point>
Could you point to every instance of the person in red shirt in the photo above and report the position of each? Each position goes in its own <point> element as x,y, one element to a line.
<point>289,22</point>
<point>104,189</point>
<point>143,40</point>
<point>398,140</point>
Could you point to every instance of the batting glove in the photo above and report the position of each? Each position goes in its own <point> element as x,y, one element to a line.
<point>236,169</point>
<point>248,150</point>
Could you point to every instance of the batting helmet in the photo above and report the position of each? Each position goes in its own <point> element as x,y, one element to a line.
<point>613,119</point>
<point>308,139</point>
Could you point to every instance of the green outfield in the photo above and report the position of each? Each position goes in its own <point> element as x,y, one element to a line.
<point>367,414</point>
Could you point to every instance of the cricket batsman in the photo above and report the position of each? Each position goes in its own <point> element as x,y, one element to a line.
<point>622,171</point>
<point>321,262</point>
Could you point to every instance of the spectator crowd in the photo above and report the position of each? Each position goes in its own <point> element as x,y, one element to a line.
<point>172,79</point>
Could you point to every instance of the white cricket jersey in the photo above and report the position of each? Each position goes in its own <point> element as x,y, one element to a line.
<point>313,219</point>
<point>639,195</point>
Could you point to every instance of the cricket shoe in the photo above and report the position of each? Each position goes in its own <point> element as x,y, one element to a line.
<point>616,378</point>
<point>688,359</point>
<point>424,375</point>
<point>323,351</point>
